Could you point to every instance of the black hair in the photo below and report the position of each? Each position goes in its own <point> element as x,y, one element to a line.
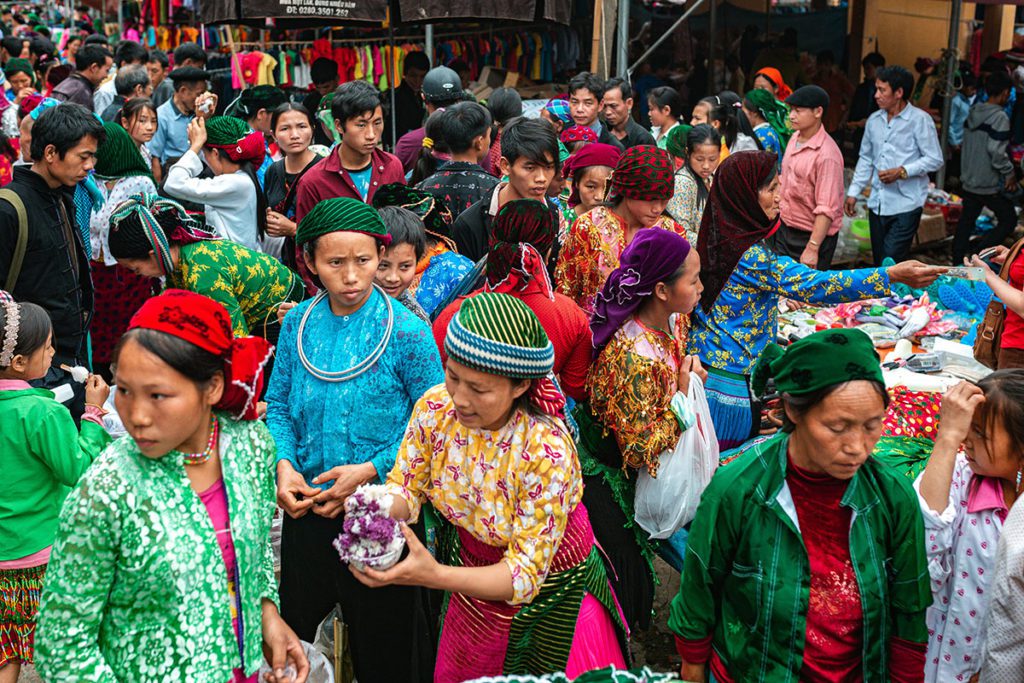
<point>190,51</point>
<point>623,86</point>
<point>127,238</point>
<point>462,123</point>
<point>405,227</point>
<point>802,404</point>
<point>667,96</point>
<point>587,81</point>
<point>129,77</point>
<point>417,59</point>
<point>40,46</point>
<point>701,134</point>
<point>874,59</point>
<point>997,83</point>
<point>768,180</point>
<point>725,115</point>
<point>743,123</point>
<point>426,163</point>
<point>279,110</point>
<point>533,139</point>
<point>1004,403</point>
<point>90,55</point>
<point>158,56</point>
<point>353,99</point>
<point>132,108</point>
<point>64,126</point>
<point>128,51</point>
<point>34,328</point>
<point>898,78</point>
<point>13,45</point>
<point>505,104</point>
<point>96,39</point>
<point>199,365</point>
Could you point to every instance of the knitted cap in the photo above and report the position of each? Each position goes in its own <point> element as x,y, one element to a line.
<point>341,214</point>
<point>118,157</point>
<point>18,65</point>
<point>500,335</point>
<point>225,130</point>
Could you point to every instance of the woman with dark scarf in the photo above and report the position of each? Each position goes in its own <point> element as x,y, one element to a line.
<point>442,270</point>
<point>640,188</point>
<point>743,280</point>
<point>636,406</point>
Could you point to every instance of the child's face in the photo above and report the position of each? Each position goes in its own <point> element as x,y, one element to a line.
<point>991,454</point>
<point>33,366</point>
<point>397,269</point>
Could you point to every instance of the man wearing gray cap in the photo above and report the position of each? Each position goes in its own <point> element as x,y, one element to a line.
<point>811,201</point>
<point>441,88</point>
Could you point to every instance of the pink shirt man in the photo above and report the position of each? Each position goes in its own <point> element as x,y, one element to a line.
<point>812,182</point>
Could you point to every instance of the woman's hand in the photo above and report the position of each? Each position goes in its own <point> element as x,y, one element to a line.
<point>347,478</point>
<point>197,134</point>
<point>690,365</point>
<point>958,406</point>
<point>282,649</point>
<point>208,111</point>
<point>997,254</point>
<point>283,309</point>
<point>96,390</point>
<point>419,568</point>
<point>291,485</point>
<point>23,93</point>
<point>915,274</point>
<point>278,225</point>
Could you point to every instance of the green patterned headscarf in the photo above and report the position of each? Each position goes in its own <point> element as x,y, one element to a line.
<point>820,360</point>
<point>675,141</point>
<point>341,214</point>
<point>774,112</point>
<point>119,157</point>
<point>225,130</point>
<point>19,66</point>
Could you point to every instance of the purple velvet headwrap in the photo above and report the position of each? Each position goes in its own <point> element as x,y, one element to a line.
<point>654,255</point>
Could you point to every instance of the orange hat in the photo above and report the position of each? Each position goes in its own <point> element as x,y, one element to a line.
<point>773,75</point>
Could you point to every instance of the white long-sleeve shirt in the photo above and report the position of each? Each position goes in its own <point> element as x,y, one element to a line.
<point>229,199</point>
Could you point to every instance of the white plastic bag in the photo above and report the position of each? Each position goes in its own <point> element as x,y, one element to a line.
<point>320,670</point>
<point>667,503</point>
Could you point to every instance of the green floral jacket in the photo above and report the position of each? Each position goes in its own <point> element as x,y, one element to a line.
<point>136,589</point>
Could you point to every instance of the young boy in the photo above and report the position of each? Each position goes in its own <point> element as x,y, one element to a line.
<point>397,268</point>
<point>466,129</point>
<point>357,167</point>
<point>986,171</point>
<point>529,158</point>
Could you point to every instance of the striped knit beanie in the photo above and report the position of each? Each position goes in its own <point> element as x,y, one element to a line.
<point>118,157</point>
<point>341,214</point>
<point>500,335</point>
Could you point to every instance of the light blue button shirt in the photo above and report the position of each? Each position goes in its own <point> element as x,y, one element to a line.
<point>909,140</point>
<point>171,138</point>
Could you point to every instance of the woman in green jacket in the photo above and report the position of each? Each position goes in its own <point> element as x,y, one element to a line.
<point>162,569</point>
<point>806,559</point>
<point>42,454</point>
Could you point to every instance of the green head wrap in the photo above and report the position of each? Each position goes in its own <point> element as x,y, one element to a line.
<point>19,66</point>
<point>817,361</point>
<point>119,157</point>
<point>675,140</point>
<point>341,214</point>
<point>774,112</point>
<point>225,130</point>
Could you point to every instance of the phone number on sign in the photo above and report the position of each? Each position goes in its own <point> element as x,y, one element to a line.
<point>327,9</point>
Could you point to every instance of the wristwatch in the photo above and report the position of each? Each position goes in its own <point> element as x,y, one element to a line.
<point>903,173</point>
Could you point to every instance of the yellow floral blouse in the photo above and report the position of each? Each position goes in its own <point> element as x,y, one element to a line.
<point>591,252</point>
<point>250,284</point>
<point>631,386</point>
<point>513,487</point>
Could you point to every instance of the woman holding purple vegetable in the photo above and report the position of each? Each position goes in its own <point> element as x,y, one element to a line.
<point>488,449</point>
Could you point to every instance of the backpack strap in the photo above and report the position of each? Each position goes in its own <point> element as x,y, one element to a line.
<point>18,257</point>
<point>1011,256</point>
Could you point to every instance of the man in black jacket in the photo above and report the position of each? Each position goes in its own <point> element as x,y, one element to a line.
<point>55,270</point>
<point>586,91</point>
<point>617,106</point>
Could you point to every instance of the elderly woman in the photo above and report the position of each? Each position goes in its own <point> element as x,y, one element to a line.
<point>638,192</point>
<point>640,365</point>
<point>806,559</point>
<point>351,363</point>
<point>528,593</point>
<point>743,280</point>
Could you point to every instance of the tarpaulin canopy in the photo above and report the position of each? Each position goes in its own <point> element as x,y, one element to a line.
<point>311,13</point>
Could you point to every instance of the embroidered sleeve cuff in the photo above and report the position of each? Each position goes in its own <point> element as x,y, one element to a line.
<point>694,651</point>
<point>94,414</point>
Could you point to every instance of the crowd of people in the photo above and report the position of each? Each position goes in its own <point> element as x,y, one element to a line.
<point>219,319</point>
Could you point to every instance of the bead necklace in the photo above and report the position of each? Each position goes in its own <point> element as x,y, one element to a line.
<point>211,445</point>
<point>360,367</point>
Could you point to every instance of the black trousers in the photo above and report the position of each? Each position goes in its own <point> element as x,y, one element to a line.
<point>1006,223</point>
<point>390,634</point>
<point>791,242</point>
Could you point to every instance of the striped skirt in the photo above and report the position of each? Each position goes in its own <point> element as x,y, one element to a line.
<point>730,406</point>
<point>19,603</point>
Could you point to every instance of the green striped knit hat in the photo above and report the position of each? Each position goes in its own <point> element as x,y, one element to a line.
<point>500,335</point>
<point>341,214</point>
<point>225,130</point>
<point>118,157</point>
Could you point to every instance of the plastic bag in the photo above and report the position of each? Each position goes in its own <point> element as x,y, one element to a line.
<point>320,670</point>
<point>669,502</point>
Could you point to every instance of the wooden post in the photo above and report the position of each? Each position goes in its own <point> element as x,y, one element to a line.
<point>598,33</point>
<point>863,34</point>
<point>997,33</point>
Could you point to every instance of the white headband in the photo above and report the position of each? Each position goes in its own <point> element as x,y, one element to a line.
<point>13,315</point>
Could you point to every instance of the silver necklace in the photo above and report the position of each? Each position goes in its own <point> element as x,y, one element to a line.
<point>360,367</point>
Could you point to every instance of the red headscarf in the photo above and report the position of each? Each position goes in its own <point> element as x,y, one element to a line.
<point>204,322</point>
<point>578,134</point>
<point>644,173</point>
<point>733,219</point>
<point>251,148</point>
<point>775,76</point>
<point>594,154</point>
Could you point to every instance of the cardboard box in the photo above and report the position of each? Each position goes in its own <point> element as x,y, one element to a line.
<point>932,228</point>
